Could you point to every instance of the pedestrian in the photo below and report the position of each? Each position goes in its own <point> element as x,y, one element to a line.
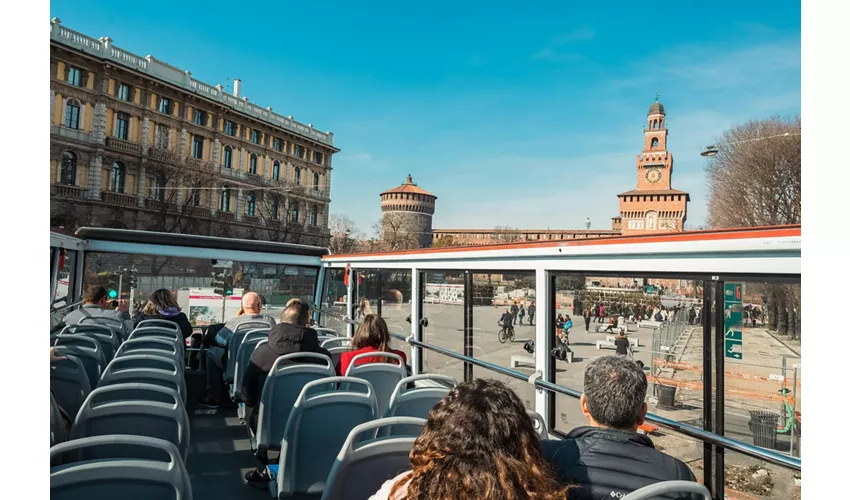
<point>521,313</point>
<point>514,312</point>
<point>532,309</point>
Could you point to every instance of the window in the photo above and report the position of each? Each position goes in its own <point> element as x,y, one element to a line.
<point>227,162</point>
<point>319,158</point>
<point>314,215</point>
<point>255,136</point>
<point>299,151</point>
<point>72,114</point>
<point>75,76</point>
<point>116,184</point>
<point>298,176</point>
<point>161,136</point>
<point>229,128</point>
<point>315,181</point>
<point>122,126</point>
<point>224,203</point>
<point>294,214</point>
<point>197,147</point>
<point>157,187</point>
<point>252,164</point>
<point>195,196</point>
<point>276,144</point>
<point>276,171</point>
<point>68,173</point>
<point>251,204</point>
<point>123,92</point>
<point>165,105</point>
<point>200,117</point>
<point>654,143</point>
<point>274,209</point>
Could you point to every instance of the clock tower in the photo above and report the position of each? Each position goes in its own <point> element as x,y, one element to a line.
<point>654,206</point>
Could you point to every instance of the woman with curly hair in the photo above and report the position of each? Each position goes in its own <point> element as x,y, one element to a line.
<point>478,443</point>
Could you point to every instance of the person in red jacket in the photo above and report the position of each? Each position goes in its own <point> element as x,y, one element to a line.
<point>371,336</point>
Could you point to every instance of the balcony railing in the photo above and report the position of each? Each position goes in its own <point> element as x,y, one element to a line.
<point>122,145</point>
<point>255,178</point>
<point>159,205</point>
<point>251,219</point>
<point>161,154</point>
<point>227,216</point>
<point>198,163</point>
<point>196,211</point>
<point>71,133</point>
<point>113,198</point>
<point>231,172</point>
<point>67,191</point>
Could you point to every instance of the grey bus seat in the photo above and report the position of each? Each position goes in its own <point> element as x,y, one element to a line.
<point>114,324</point>
<point>324,338</point>
<point>282,388</point>
<point>124,475</point>
<point>324,417</point>
<point>361,467</point>
<point>155,346</point>
<point>243,357</point>
<point>125,370</point>
<point>88,350</point>
<point>105,336</point>
<point>336,342</point>
<point>134,409</point>
<point>324,331</point>
<point>336,352</point>
<point>539,424</point>
<point>161,323</point>
<point>58,433</point>
<point>70,383</point>
<point>664,489</point>
<point>236,341</point>
<point>384,376</point>
<point>157,332</point>
<point>417,401</point>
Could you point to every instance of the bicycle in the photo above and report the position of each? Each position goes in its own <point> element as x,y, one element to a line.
<point>505,334</point>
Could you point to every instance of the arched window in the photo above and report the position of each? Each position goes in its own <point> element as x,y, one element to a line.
<point>224,203</point>
<point>227,161</point>
<point>68,173</point>
<point>274,208</point>
<point>116,184</point>
<point>315,181</point>
<point>276,171</point>
<point>293,214</point>
<point>298,175</point>
<point>252,165</point>
<point>251,204</point>
<point>72,113</point>
<point>314,215</point>
<point>654,143</point>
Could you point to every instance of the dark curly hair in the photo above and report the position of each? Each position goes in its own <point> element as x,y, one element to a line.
<point>479,443</point>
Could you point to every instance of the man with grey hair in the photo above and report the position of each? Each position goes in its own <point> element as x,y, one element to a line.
<point>608,458</point>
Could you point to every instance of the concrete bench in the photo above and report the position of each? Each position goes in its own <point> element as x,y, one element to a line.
<point>607,344</point>
<point>615,329</point>
<point>520,359</point>
<point>650,324</point>
<point>635,342</point>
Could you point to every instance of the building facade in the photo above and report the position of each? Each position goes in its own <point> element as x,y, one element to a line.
<point>653,206</point>
<point>407,213</point>
<point>474,237</point>
<point>139,144</point>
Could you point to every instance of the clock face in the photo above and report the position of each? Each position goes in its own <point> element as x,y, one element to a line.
<point>653,175</point>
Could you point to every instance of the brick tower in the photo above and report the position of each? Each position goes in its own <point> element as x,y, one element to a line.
<point>413,209</point>
<point>654,206</point>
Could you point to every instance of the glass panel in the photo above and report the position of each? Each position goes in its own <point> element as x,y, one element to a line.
<point>443,308</point>
<point>64,279</point>
<point>333,300</point>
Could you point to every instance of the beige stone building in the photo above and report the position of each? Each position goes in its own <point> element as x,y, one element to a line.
<point>140,144</point>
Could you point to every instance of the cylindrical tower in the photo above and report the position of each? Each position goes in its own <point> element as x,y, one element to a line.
<point>407,213</point>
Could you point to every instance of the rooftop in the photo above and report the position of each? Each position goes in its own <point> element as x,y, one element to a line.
<point>408,187</point>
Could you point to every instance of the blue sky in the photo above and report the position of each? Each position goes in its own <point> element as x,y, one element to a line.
<point>526,114</point>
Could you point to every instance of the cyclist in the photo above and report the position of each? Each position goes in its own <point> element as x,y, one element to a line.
<point>506,321</point>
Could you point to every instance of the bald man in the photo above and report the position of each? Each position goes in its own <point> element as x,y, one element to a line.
<point>252,306</point>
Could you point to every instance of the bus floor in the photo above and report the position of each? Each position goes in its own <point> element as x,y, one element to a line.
<point>220,451</point>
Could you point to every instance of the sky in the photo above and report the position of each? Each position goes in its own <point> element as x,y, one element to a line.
<point>525,114</point>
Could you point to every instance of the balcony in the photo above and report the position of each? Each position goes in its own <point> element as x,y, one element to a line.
<point>162,154</point>
<point>159,205</point>
<point>196,211</point>
<point>198,163</point>
<point>122,145</point>
<point>231,172</point>
<point>227,216</point>
<point>251,219</point>
<point>71,133</point>
<point>67,191</point>
<point>113,198</point>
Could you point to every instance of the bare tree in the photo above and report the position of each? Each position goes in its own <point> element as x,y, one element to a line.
<point>445,241</point>
<point>755,180</point>
<point>396,232</point>
<point>282,221</point>
<point>345,236</point>
<point>177,195</point>
<point>506,234</point>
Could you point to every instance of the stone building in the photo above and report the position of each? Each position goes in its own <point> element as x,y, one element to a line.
<point>137,143</point>
<point>407,213</point>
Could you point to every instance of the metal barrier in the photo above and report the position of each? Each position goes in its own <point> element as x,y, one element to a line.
<point>54,310</point>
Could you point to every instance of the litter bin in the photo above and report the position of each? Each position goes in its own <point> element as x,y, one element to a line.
<point>666,396</point>
<point>763,425</point>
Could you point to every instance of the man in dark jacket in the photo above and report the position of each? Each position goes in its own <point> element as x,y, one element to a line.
<point>609,459</point>
<point>291,335</point>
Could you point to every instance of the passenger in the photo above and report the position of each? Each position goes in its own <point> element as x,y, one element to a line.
<point>94,305</point>
<point>608,458</point>
<point>162,305</point>
<point>216,362</point>
<point>478,443</point>
<point>371,336</point>
<point>291,336</point>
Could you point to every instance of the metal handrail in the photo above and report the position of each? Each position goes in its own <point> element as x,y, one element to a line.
<point>69,306</point>
<point>769,456</point>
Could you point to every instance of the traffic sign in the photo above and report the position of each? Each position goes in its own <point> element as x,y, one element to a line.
<point>732,293</point>
<point>734,319</point>
<point>734,334</point>
<point>734,349</point>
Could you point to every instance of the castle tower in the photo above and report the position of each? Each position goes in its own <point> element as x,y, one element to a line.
<point>654,206</point>
<point>412,209</point>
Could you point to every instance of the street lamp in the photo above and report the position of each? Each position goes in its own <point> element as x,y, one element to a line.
<point>709,151</point>
<point>714,148</point>
<point>587,223</point>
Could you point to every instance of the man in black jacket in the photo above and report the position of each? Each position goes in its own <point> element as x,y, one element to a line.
<point>609,459</point>
<point>291,335</point>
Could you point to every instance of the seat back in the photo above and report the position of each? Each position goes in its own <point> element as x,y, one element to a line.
<point>539,424</point>
<point>336,352</point>
<point>324,417</point>
<point>236,341</point>
<point>361,467</point>
<point>243,356</point>
<point>323,331</point>
<point>336,342</point>
<point>416,401</point>
<point>155,346</point>
<point>667,489</point>
<point>158,332</point>
<point>85,348</point>
<point>161,323</point>
<point>105,336</point>
<point>384,376</point>
<point>145,370</point>
<point>58,433</point>
<point>69,383</point>
<point>282,388</point>
<point>324,338</point>
<point>123,474</point>
<point>114,324</point>
<point>134,409</point>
